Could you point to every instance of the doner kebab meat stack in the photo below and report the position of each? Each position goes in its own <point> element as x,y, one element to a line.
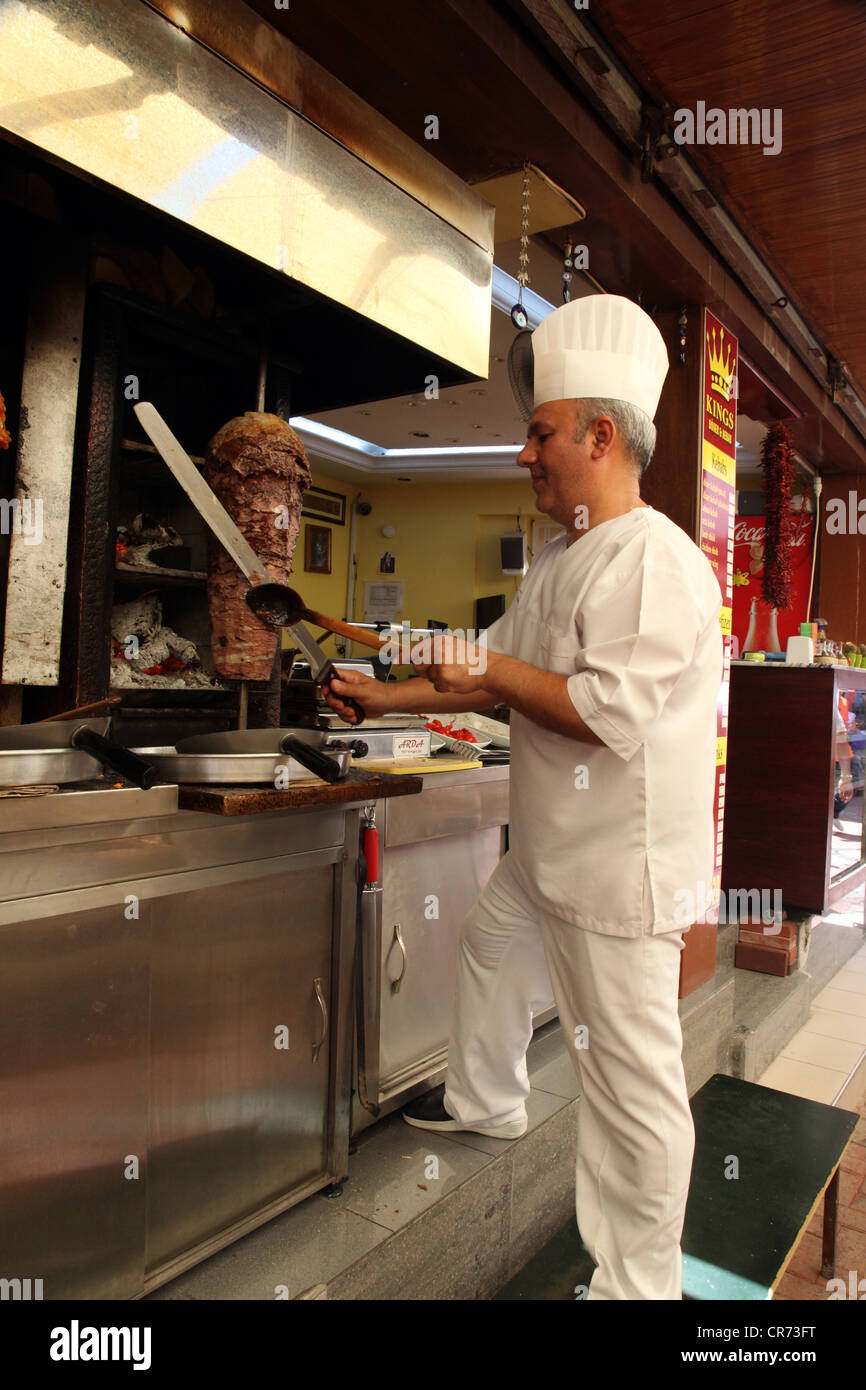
<point>258,468</point>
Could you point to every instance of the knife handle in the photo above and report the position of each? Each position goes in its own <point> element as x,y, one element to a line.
<point>328,673</point>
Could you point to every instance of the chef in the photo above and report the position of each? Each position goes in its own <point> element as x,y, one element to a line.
<point>610,659</point>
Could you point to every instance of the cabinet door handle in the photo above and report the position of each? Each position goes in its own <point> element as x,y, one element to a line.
<point>398,937</point>
<point>317,1047</point>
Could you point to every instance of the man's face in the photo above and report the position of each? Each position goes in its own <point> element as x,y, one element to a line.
<point>559,467</point>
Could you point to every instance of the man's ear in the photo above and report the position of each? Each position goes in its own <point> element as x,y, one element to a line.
<point>603,433</point>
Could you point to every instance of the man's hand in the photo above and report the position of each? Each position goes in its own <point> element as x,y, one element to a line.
<point>373,696</point>
<point>453,665</point>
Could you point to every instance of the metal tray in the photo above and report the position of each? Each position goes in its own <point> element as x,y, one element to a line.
<point>227,769</point>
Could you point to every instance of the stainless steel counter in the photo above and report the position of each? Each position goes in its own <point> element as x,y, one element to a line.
<point>175,1030</point>
<point>177,1012</point>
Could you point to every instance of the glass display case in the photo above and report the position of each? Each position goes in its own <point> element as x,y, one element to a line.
<point>795,782</point>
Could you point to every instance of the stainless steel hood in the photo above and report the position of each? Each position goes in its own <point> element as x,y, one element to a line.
<point>116,90</point>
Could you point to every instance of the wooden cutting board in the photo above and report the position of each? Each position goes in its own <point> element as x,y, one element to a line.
<point>416,766</point>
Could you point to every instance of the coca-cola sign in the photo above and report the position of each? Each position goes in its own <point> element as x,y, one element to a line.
<point>753,622</point>
<point>750,530</point>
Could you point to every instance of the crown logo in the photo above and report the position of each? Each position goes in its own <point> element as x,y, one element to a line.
<point>721,368</point>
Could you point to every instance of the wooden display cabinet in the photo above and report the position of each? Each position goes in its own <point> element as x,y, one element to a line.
<point>792,731</point>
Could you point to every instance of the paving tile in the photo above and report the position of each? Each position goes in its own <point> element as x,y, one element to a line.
<point>803,1079</point>
<point>854,1093</point>
<point>816,1223</point>
<point>852,1219</point>
<point>839,1054</point>
<point>392,1175</point>
<point>850,1186</point>
<point>854,1159</point>
<point>851,1255</point>
<point>851,979</point>
<point>833,1024</point>
<point>539,1107</point>
<point>842,1001</point>
<point>558,1076</point>
<point>546,1044</point>
<point>458,1251</point>
<point>806,1259</point>
<point>307,1245</point>
<point>793,1287</point>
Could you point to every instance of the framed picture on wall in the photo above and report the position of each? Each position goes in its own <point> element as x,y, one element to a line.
<point>317,549</point>
<point>327,506</point>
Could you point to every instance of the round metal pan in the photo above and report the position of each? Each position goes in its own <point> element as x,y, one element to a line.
<point>62,751</point>
<point>254,740</point>
<point>230,769</point>
<point>27,738</point>
<point>45,766</point>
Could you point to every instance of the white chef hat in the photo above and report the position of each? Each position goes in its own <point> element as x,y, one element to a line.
<point>601,345</point>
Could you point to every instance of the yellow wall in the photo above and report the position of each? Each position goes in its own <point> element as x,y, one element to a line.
<point>446,547</point>
<point>326,592</point>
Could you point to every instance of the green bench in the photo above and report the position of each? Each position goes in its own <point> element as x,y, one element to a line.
<point>739,1232</point>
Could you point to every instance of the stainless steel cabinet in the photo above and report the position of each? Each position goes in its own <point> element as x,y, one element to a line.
<point>73,1098</point>
<point>428,889</point>
<point>242,1000</point>
<point>150,968</point>
<point>438,851</point>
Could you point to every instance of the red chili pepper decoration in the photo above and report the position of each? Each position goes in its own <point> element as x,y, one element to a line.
<point>778,465</point>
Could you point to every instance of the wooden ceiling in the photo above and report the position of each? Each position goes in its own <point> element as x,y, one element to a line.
<point>502,98</point>
<point>803,209</point>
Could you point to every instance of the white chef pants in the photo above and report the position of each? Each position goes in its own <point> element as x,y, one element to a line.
<point>635,1131</point>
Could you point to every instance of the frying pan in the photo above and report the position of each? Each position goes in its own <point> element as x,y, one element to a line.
<point>26,749</point>
<point>227,769</point>
<point>305,745</point>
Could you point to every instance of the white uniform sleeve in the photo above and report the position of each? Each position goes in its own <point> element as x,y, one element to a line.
<point>638,627</point>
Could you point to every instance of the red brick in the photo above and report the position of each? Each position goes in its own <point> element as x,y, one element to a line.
<point>816,1225</point>
<point>792,1286</point>
<point>850,1186</point>
<point>769,931</point>
<point>851,1218</point>
<point>767,961</point>
<point>806,1259</point>
<point>850,1253</point>
<point>775,943</point>
<point>854,1159</point>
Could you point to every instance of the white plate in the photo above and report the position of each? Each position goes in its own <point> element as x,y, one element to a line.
<point>499,735</point>
<point>444,739</point>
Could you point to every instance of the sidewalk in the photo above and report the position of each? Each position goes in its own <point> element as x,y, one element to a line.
<point>826,1061</point>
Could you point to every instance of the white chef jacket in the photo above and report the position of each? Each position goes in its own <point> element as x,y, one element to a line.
<point>607,837</point>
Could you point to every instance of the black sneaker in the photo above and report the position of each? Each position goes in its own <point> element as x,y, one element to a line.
<point>428,1112</point>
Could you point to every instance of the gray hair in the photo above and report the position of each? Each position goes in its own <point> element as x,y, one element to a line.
<point>634,426</point>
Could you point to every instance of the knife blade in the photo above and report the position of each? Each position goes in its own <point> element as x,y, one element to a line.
<point>202,497</point>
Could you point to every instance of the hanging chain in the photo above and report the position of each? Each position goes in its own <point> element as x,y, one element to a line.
<point>523,276</point>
